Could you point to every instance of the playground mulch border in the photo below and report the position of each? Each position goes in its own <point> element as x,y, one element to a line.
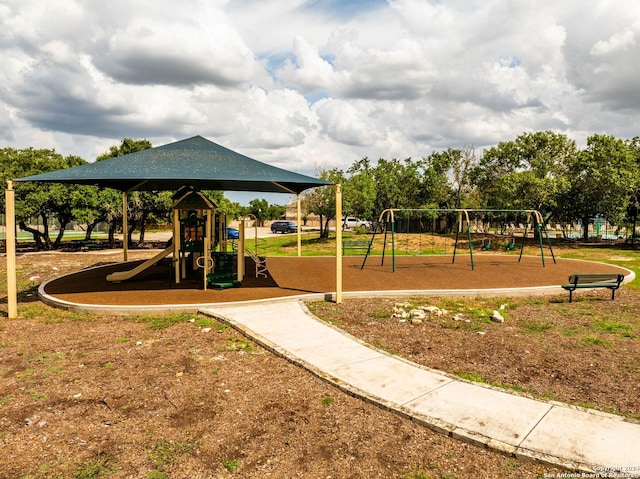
<point>289,276</point>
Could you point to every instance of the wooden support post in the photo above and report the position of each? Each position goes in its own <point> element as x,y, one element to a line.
<point>125,228</point>
<point>299,218</point>
<point>10,238</point>
<point>240,269</point>
<point>338,244</point>
<point>177,241</point>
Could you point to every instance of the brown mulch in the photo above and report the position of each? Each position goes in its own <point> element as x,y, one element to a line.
<point>293,276</point>
<point>100,396</point>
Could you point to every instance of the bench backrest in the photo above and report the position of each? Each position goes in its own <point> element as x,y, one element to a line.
<point>586,278</point>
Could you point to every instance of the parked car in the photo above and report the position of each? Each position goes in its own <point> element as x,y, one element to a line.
<point>352,222</point>
<point>232,233</point>
<point>284,227</point>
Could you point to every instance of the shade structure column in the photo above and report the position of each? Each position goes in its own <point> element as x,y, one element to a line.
<point>299,217</point>
<point>338,244</point>
<point>177,241</point>
<point>10,238</point>
<point>208,260</point>
<point>125,227</point>
<point>240,270</point>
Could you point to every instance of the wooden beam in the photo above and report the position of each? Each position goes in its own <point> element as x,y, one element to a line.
<point>12,290</point>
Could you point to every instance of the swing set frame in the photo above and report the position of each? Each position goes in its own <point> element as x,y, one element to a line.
<point>388,217</point>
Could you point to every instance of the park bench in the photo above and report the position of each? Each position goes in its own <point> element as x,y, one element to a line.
<point>611,281</point>
<point>355,245</point>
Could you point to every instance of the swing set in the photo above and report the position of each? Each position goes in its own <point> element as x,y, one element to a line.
<point>387,224</point>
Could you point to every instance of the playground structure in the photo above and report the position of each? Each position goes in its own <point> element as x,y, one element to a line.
<point>203,244</point>
<point>260,261</point>
<point>387,223</point>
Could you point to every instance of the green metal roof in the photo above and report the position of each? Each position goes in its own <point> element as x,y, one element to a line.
<point>195,162</point>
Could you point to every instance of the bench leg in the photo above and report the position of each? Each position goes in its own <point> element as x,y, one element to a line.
<point>613,294</point>
<point>570,295</point>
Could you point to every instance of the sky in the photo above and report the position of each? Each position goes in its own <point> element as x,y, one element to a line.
<point>309,85</point>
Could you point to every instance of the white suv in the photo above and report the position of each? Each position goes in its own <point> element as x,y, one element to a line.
<point>351,222</point>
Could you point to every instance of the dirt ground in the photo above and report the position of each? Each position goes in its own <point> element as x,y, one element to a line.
<point>95,396</point>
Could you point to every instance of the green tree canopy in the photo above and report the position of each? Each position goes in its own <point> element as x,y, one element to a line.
<point>527,173</point>
<point>603,179</point>
<point>322,201</point>
<point>34,200</point>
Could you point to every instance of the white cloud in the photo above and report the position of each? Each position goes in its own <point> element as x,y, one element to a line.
<point>152,51</point>
<point>310,72</point>
<point>306,84</point>
<point>618,41</point>
<point>343,123</point>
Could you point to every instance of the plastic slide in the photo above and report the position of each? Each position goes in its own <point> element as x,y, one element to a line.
<point>120,276</point>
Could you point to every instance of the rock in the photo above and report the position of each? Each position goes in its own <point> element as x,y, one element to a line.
<point>206,330</point>
<point>497,317</point>
<point>417,313</point>
<point>399,312</point>
<point>430,309</point>
<point>481,333</point>
<point>503,307</point>
<point>416,321</point>
<point>457,317</point>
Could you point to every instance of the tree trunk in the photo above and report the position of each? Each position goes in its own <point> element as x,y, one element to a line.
<point>112,234</point>
<point>56,243</point>
<point>585,228</point>
<point>41,240</point>
<point>90,228</point>
<point>143,227</point>
<point>132,228</point>
<point>64,221</point>
<point>325,230</point>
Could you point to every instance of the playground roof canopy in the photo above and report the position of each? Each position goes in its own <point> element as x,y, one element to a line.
<point>195,162</point>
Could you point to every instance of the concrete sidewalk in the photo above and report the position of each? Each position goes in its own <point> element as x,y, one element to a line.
<point>575,438</point>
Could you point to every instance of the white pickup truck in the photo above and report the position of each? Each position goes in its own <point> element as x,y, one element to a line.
<point>352,222</point>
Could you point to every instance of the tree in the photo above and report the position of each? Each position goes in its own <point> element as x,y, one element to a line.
<point>527,173</point>
<point>603,180</point>
<point>224,205</point>
<point>263,211</point>
<point>142,206</point>
<point>259,209</point>
<point>633,210</point>
<point>359,191</point>
<point>42,201</point>
<point>399,184</point>
<point>322,200</point>
<point>456,164</point>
